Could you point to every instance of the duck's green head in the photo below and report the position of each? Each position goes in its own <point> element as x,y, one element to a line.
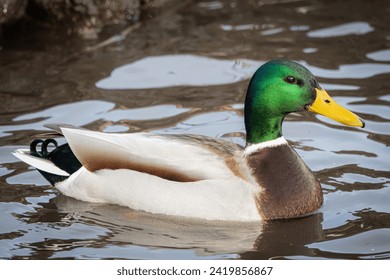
<point>280,87</point>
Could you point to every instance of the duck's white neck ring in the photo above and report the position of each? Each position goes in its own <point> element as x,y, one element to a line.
<point>251,148</point>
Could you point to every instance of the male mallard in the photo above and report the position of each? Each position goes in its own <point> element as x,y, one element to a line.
<point>197,176</point>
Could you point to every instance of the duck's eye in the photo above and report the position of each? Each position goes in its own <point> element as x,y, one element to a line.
<point>291,80</point>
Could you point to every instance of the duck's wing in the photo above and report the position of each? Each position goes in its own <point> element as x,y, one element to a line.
<point>176,158</point>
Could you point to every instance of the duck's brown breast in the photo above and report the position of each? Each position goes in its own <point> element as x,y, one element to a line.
<point>288,187</point>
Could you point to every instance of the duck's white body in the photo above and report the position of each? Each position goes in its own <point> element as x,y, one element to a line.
<point>212,199</point>
<point>189,176</point>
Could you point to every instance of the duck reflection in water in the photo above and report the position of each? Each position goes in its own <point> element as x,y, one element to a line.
<point>128,228</point>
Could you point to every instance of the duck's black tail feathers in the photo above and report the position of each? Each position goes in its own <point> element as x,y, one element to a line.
<point>56,165</point>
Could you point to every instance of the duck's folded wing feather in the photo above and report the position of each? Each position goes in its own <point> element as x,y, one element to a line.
<point>172,158</point>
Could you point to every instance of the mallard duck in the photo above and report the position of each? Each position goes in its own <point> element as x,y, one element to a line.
<point>197,176</point>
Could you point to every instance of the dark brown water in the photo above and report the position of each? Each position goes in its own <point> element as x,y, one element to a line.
<point>185,70</point>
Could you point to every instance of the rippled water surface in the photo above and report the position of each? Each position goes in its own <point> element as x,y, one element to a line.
<point>185,70</point>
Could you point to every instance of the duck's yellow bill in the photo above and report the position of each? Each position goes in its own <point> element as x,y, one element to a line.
<point>326,106</point>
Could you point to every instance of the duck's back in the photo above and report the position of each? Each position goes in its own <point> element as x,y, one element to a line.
<point>184,158</point>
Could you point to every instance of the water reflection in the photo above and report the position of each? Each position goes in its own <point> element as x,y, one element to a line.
<point>350,71</point>
<point>213,124</point>
<point>382,55</point>
<point>243,27</point>
<point>296,234</point>
<point>351,28</point>
<point>178,70</point>
<point>85,112</point>
<point>211,5</point>
<point>365,236</point>
<point>109,231</point>
<point>120,226</point>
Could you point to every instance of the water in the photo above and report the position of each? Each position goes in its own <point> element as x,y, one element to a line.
<point>186,71</point>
